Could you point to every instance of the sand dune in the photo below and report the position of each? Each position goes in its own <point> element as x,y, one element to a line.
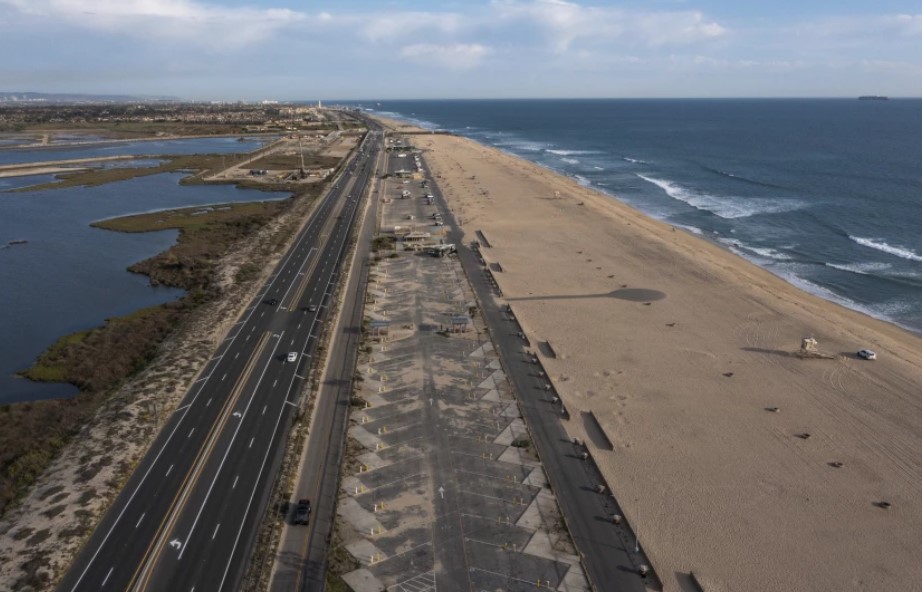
<point>679,347</point>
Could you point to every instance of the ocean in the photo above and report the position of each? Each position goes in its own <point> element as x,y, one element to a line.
<point>825,193</point>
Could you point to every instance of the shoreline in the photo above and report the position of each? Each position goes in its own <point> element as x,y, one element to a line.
<point>797,282</point>
<point>683,382</point>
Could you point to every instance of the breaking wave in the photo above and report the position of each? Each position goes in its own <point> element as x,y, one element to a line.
<point>902,252</point>
<point>571,152</point>
<point>860,268</point>
<point>725,207</point>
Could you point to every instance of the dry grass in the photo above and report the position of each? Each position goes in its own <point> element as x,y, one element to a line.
<point>292,161</point>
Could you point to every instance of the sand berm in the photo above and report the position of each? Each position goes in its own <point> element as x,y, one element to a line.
<point>681,348</point>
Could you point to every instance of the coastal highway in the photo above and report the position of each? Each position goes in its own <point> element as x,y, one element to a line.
<point>301,558</point>
<point>188,515</point>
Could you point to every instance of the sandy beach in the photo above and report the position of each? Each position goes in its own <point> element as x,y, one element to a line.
<point>682,349</point>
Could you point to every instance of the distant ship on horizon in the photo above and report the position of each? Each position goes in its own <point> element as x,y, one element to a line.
<point>873,98</point>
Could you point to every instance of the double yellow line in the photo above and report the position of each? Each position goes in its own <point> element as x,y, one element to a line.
<point>152,554</point>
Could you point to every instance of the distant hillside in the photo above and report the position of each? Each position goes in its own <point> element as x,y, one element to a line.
<point>34,97</point>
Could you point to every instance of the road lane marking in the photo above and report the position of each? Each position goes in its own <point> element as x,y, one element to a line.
<point>223,377</point>
<point>230,445</point>
<point>168,471</point>
<point>140,520</point>
<point>235,482</point>
<point>208,403</point>
<point>265,407</point>
<point>192,431</point>
<point>106,579</point>
<point>258,476</point>
<point>294,300</point>
<point>251,442</point>
<point>215,533</point>
<point>237,355</point>
<point>151,556</point>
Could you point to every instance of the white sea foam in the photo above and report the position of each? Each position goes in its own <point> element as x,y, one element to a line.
<point>724,207</point>
<point>571,152</point>
<point>691,229</point>
<point>582,180</point>
<point>570,160</point>
<point>598,168</point>
<point>770,253</point>
<point>525,145</point>
<point>633,160</point>
<point>860,268</point>
<point>902,252</point>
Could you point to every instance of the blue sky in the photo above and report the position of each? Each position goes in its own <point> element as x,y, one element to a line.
<point>310,49</point>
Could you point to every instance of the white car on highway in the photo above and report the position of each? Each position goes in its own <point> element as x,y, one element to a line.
<point>292,356</point>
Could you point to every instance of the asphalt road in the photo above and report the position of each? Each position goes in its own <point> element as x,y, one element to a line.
<point>302,555</point>
<point>188,516</point>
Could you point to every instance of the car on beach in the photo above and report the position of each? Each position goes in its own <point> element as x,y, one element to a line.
<point>292,356</point>
<point>866,354</point>
<point>302,512</point>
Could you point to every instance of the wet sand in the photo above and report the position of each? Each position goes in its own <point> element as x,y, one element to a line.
<point>680,348</point>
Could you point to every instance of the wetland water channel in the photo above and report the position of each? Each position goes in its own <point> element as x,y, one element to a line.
<point>69,276</point>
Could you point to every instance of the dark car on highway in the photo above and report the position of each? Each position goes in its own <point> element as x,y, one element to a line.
<point>302,512</point>
<point>272,301</point>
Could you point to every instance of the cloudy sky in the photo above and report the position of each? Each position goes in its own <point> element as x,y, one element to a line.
<point>363,49</point>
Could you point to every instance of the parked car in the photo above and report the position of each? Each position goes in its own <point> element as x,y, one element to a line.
<point>302,512</point>
<point>866,354</point>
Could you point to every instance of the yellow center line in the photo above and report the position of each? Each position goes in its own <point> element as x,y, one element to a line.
<point>293,304</point>
<point>192,475</point>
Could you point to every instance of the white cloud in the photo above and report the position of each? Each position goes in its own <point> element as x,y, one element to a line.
<point>567,22</point>
<point>458,56</point>
<point>204,24</point>
<point>399,25</point>
<point>858,28</point>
